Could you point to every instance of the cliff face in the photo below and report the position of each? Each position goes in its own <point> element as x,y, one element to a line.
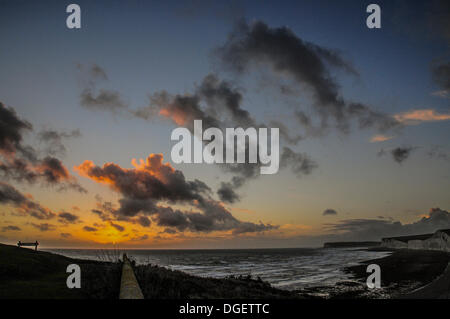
<point>440,240</point>
<point>393,243</point>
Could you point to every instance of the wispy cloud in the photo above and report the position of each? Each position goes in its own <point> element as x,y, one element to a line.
<point>375,229</point>
<point>44,226</point>
<point>380,138</point>
<point>11,228</point>
<point>329,211</point>
<point>445,94</point>
<point>418,116</point>
<point>399,154</point>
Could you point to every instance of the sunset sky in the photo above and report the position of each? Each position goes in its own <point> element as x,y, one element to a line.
<point>364,118</point>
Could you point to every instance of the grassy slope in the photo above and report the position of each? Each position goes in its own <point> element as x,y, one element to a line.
<point>161,283</point>
<point>25,273</point>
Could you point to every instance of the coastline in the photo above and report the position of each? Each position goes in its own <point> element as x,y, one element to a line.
<point>404,274</point>
<point>28,274</point>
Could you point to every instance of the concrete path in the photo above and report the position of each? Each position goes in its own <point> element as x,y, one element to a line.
<point>129,287</point>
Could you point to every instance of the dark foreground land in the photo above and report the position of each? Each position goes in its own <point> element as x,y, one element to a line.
<point>25,273</point>
<point>29,274</point>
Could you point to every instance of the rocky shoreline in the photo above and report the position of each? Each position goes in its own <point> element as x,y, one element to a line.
<point>402,273</point>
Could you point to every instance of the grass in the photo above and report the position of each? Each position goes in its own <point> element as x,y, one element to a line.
<point>162,283</point>
<point>27,274</point>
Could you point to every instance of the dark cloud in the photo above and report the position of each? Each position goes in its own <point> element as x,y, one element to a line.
<point>375,229</point>
<point>368,118</point>
<point>9,195</point>
<point>144,221</point>
<point>11,228</point>
<point>91,73</point>
<point>285,134</point>
<point>44,226</point>
<point>65,235</point>
<point>22,163</point>
<point>220,95</point>
<point>49,171</point>
<point>101,214</point>
<point>157,181</point>
<point>251,228</point>
<point>11,130</point>
<point>54,140</point>
<point>117,226</point>
<point>222,104</point>
<point>97,72</point>
<point>53,170</point>
<point>285,52</point>
<point>66,217</point>
<point>307,64</point>
<point>400,154</point>
<point>104,100</point>
<point>299,163</point>
<point>98,99</point>
<point>227,194</point>
<point>25,206</point>
<point>166,216</point>
<point>218,103</point>
<point>329,211</point>
<point>104,210</point>
<point>151,183</point>
<point>139,238</point>
<point>181,109</point>
<point>311,129</point>
<point>89,229</point>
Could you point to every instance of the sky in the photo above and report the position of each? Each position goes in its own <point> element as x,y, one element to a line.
<point>363,116</point>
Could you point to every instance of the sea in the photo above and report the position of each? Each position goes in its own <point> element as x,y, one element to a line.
<point>290,268</point>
